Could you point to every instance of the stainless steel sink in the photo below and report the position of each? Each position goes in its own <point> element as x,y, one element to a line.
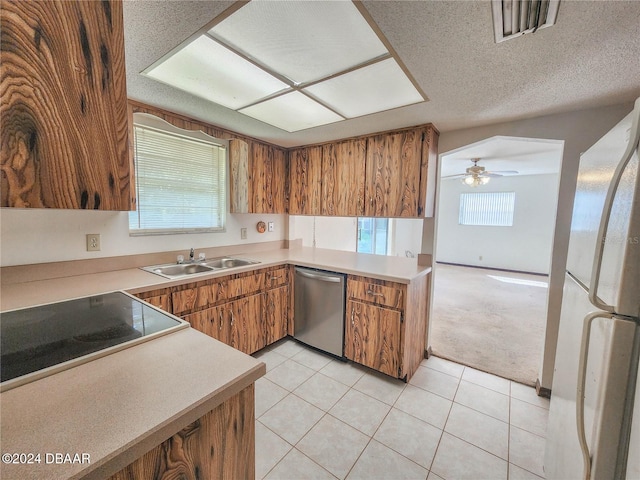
<point>229,262</point>
<point>175,270</point>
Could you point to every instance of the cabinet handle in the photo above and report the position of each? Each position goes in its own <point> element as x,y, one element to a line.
<point>352,319</point>
<point>272,278</point>
<point>371,201</point>
<point>221,319</point>
<point>231,313</point>
<point>375,294</point>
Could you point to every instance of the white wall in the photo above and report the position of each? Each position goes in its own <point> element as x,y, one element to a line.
<point>45,235</point>
<point>579,130</point>
<point>501,247</point>
<point>337,233</point>
<point>406,236</point>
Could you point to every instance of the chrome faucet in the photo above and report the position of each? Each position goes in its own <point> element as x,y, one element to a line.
<point>192,255</point>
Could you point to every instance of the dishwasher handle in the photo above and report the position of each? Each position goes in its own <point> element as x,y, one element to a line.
<point>321,277</point>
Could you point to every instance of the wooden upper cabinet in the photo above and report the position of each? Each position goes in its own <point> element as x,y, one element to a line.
<point>258,178</point>
<point>305,180</point>
<point>393,174</point>
<point>343,174</point>
<point>64,106</point>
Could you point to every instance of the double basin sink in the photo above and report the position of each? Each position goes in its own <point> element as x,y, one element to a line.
<point>178,270</point>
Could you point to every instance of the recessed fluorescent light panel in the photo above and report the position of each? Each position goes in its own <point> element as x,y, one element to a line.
<point>292,64</point>
<point>292,112</point>
<point>213,72</point>
<point>374,88</point>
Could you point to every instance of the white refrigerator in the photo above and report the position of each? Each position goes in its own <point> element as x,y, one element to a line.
<point>594,417</point>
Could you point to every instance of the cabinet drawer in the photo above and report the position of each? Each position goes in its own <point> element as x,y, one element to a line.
<point>215,291</point>
<point>221,289</point>
<point>377,292</point>
<point>276,278</point>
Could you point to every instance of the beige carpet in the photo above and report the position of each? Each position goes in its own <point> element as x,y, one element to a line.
<point>490,320</point>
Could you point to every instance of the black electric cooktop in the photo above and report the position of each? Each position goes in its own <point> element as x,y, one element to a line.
<point>38,338</point>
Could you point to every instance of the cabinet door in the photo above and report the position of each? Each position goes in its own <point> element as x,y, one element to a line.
<point>393,174</point>
<point>268,173</point>
<point>343,171</point>
<point>246,331</point>
<point>211,322</point>
<point>372,337</point>
<point>161,301</point>
<point>305,181</point>
<point>276,313</point>
<point>64,106</point>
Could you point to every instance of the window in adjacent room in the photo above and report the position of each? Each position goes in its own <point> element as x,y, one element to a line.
<point>491,209</point>
<point>373,235</point>
<point>180,179</point>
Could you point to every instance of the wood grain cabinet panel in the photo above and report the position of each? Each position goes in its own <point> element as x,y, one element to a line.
<point>246,329</point>
<point>259,175</point>
<point>305,180</point>
<point>268,175</point>
<point>343,174</point>
<point>372,337</point>
<point>64,106</point>
<point>219,445</point>
<point>386,324</point>
<point>276,313</point>
<point>246,311</point>
<point>393,174</point>
<point>212,322</point>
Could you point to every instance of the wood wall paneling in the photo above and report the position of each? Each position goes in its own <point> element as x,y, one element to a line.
<point>64,106</point>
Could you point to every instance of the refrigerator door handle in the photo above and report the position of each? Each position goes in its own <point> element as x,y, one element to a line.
<point>582,377</point>
<point>606,211</point>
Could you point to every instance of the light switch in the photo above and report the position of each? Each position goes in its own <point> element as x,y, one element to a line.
<point>270,226</point>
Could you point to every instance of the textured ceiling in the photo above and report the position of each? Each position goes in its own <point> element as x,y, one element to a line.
<point>590,58</point>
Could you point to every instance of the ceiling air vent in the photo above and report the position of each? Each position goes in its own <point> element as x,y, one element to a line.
<point>512,18</point>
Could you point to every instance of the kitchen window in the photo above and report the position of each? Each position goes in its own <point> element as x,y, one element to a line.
<point>180,180</point>
<point>373,235</point>
<point>490,209</point>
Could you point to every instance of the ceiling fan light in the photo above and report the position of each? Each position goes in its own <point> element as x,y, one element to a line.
<point>484,180</point>
<point>468,181</point>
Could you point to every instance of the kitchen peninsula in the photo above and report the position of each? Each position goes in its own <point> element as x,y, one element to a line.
<point>123,405</point>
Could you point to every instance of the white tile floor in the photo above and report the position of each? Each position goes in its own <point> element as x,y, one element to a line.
<point>321,418</point>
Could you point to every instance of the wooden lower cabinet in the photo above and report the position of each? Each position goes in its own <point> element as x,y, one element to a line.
<point>247,312</point>
<point>220,445</point>
<point>372,337</point>
<point>246,329</point>
<point>276,313</point>
<point>386,324</point>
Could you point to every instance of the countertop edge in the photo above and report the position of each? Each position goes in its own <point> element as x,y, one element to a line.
<point>138,447</point>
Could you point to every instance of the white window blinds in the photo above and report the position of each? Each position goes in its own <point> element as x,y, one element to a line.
<point>180,183</point>
<point>494,209</point>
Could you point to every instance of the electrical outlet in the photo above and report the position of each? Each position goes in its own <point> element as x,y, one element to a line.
<point>270,226</point>
<point>93,242</point>
<point>480,258</point>
<point>243,233</point>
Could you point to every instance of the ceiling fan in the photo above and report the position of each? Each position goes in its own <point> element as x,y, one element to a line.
<point>477,175</point>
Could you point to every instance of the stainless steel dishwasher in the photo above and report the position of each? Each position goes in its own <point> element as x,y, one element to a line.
<point>319,309</point>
